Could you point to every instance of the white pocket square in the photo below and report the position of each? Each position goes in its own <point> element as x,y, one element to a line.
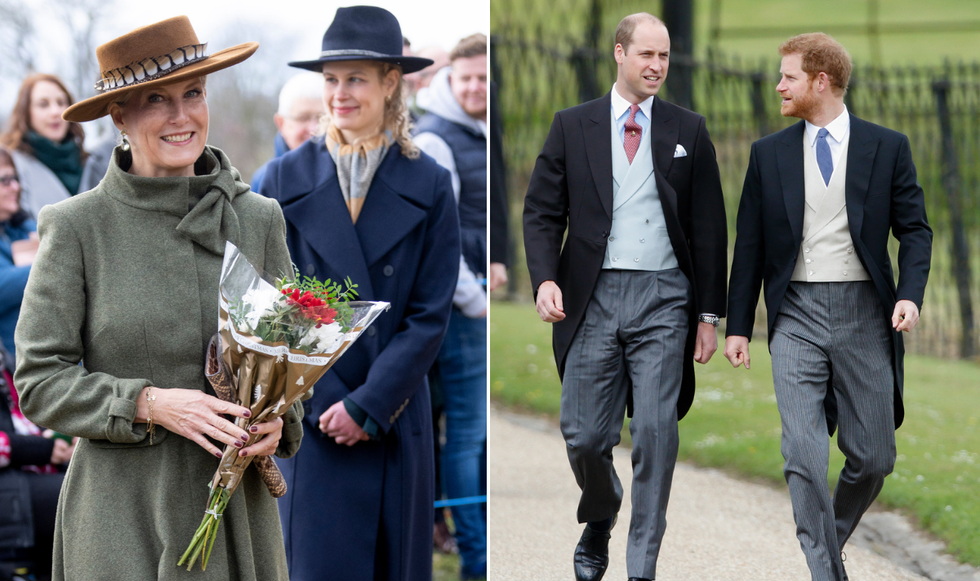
<point>679,151</point>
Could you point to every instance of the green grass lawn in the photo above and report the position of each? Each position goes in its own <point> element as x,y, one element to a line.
<point>445,567</point>
<point>734,423</point>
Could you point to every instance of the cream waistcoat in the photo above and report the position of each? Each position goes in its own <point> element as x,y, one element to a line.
<point>827,252</point>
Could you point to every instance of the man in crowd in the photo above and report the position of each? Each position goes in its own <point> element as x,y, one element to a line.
<point>819,200</point>
<point>454,132</point>
<point>636,289</point>
<point>300,109</point>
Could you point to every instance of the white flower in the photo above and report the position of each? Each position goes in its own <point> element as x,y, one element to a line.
<point>324,338</point>
<point>260,301</point>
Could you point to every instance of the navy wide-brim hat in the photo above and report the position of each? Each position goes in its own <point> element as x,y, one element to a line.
<point>364,33</point>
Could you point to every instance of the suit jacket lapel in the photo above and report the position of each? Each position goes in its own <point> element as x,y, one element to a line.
<point>860,158</point>
<point>323,221</point>
<point>598,150</point>
<point>387,216</point>
<point>664,132</point>
<point>789,161</point>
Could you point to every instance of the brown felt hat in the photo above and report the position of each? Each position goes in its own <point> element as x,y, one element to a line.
<point>151,56</point>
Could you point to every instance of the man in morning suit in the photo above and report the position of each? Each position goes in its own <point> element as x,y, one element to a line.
<point>813,222</point>
<point>634,182</point>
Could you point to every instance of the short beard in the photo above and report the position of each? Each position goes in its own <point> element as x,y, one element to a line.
<point>804,105</point>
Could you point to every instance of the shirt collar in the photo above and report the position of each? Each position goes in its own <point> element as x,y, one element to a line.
<point>837,128</point>
<point>621,105</point>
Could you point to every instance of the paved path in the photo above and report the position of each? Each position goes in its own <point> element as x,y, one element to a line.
<point>718,528</point>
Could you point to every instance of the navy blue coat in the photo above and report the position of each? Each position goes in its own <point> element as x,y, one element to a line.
<point>344,502</point>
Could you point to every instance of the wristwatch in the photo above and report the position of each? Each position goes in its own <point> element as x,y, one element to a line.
<point>713,320</point>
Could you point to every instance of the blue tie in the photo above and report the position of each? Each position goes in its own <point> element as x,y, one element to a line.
<point>824,162</point>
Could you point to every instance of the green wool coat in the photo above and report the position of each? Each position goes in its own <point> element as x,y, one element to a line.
<point>126,282</point>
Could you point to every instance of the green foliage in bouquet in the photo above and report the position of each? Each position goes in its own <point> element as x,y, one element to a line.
<point>298,311</point>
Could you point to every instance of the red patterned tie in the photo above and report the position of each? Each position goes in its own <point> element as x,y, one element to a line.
<point>631,140</point>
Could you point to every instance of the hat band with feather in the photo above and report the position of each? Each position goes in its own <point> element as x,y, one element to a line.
<point>151,68</point>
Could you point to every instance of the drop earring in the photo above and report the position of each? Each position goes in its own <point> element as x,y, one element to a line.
<point>125,141</point>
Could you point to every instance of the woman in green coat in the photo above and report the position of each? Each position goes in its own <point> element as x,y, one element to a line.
<point>120,305</point>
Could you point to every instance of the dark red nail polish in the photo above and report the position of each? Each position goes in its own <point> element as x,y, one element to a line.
<point>218,454</point>
<point>247,414</point>
<point>238,444</point>
<point>254,429</point>
<point>245,437</point>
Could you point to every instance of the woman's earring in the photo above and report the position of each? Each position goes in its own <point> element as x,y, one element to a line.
<point>125,141</point>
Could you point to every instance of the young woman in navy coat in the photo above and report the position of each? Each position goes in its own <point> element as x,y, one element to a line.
<point>361,202</point>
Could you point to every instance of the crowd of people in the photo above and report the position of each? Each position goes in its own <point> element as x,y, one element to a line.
<point>109,265</point>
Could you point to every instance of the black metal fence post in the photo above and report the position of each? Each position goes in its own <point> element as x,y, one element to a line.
<point>679,18</point>
<point>960,249</point>
<point>759,103</point>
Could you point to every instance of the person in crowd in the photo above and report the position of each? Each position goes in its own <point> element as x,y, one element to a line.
<point>117,314</point>
<point>298,116</point>
<point>32,464</point>
<point>636,289</point>
<point>47,150</point>
<point>99,157</point>
<point>454,132</point>
<point>364,203</point>
<point>819,200</point>
<point>420,80</point>
<point>18,243</point>
<point>499,207</point>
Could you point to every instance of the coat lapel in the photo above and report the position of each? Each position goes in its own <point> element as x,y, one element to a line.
<point>598,150</point>
<point>789,161</point>
<point>664,132</point>
<point>860,158</point>
<point>323,220</point>
<point>388,214</point>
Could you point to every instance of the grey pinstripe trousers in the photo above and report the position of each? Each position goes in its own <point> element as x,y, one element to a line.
<point>833,336</point>
<point>631,338</point>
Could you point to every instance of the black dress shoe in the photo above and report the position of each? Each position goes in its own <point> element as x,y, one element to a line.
<point>592,554</point>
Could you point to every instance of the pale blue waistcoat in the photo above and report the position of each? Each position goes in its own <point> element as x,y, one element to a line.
<point>638,239</point>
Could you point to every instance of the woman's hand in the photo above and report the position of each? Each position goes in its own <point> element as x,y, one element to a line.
<point>269,434</point>
<point>337,423</point>
<point>194,414</point>
<point>62,451</point>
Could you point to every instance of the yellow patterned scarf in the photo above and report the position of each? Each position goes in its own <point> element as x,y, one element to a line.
<point>356,163</point>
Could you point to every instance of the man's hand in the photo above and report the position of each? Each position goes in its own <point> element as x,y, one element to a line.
<point>498,276</point>
<point>337,423</point>
<point>549,304</point>
<point>737,350</point>
<point>905,317</point>
<point>706,343</point>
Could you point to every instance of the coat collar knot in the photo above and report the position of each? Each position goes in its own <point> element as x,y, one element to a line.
<point>203,202</point>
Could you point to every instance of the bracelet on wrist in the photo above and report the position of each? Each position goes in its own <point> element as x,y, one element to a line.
<point>149,414</point>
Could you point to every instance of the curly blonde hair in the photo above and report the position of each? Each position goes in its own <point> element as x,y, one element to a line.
<point>396,116</point>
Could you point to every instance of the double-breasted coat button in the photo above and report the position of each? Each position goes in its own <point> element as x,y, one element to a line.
<point>371,331</point>
<point>310,270</point>
<point>388,270</point>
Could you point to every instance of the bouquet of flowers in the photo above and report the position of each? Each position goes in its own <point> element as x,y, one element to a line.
<point>275,340</point>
